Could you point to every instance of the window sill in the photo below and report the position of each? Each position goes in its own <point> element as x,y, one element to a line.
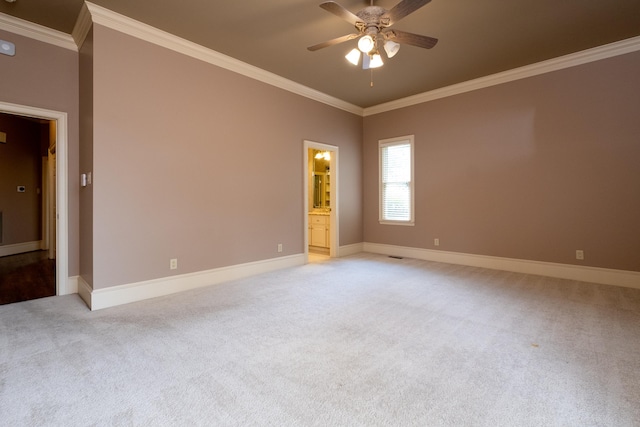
<point>406,223</point>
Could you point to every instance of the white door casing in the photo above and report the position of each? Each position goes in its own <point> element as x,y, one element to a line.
<point>61,167</point>
<point>334,225</point>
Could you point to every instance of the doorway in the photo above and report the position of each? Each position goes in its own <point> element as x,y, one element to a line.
<point>321,206</point>
<point>53,192</point>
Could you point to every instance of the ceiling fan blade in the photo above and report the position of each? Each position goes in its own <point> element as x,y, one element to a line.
<point>404,8</point>
<point>341,12</point>
<point>333,41</point>
<point>410,38</point>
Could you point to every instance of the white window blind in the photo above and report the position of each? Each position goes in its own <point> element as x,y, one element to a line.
<point>396,180</point>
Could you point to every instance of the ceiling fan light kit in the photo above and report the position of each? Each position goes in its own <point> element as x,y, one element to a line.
<point>366,44</point>
<point>372,24</point>
<point>391,48</point>
<point>353,56</point>
<point>376,61</point>
<point>369,60</point>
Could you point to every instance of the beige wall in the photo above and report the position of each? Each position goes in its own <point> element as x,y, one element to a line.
<point>194,162</point>
<point>86,157</point>
<point>45,76</point>
<point>532,169</point>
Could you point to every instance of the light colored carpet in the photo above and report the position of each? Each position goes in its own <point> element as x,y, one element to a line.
<point>364,340</point>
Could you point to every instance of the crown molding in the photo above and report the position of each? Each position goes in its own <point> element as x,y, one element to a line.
<point>559,63</point>
<point>37,32</point>
<point>82,26</point>
<point>92,13</point>
<point>126,25</point>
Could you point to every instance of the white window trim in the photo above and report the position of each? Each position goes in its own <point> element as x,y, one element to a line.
<point>386,143</point>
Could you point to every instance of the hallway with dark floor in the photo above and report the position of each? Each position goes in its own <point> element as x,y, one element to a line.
<point>26,276</point>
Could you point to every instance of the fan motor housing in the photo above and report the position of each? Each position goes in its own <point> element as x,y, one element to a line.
<point>370,16</point>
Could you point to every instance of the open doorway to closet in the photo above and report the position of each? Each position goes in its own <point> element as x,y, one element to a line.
<point>33,248</point>
<point>320,200</point>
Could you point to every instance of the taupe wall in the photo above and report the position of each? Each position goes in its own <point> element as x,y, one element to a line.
<point>21,164</point>
<point>86,157</point>
<point>532,169</point>
<point>46,76</point>
<point>194,162</point>
<point>197,163</point>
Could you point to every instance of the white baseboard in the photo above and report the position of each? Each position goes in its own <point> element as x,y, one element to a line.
<point>20,248</point>
<point>350,249</point>
<point>98,299</point>
<point>629,279</point>
<point>71,287</point>
<point>124,294</point>
<point>84,290</point>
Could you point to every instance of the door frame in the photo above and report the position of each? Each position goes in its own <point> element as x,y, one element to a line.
<point>62,220</point>
<point>334,225</point>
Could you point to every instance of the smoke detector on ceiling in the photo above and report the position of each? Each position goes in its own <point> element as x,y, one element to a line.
<point>7,48</point>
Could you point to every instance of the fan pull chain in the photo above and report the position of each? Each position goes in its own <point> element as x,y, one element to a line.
<point>371,84</point>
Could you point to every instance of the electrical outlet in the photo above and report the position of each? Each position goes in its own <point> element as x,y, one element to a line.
<point>579,254</point>
<point>279,247</point>
<point>173,264</point>
<point>436,242</point>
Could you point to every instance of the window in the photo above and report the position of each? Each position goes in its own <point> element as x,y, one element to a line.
<point>396,180</point>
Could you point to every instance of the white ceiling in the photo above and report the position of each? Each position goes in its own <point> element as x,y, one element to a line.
<point>476,37</point>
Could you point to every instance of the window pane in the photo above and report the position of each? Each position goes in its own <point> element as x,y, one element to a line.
<point>395,181</point>
<point>396,163</point>
<point>396,198</point>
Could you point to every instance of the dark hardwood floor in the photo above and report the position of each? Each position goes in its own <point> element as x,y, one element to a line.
<point>27,276</point>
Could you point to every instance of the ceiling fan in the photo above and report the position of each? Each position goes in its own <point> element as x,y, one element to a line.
<point>373,24</point>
